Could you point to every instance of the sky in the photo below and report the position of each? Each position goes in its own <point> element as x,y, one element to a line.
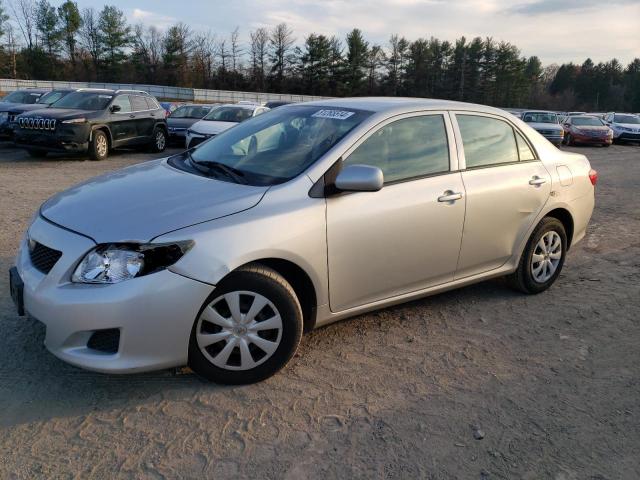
<point>557,31</point>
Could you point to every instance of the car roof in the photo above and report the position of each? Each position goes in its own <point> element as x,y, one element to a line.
<point>539,111</point>
<point>398,104</point>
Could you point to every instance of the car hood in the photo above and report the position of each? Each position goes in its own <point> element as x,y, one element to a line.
<point>139,203</point>
<point>544,126</point>
<point>633,126</point>
<point>7,106</point>
<point>211,127</point>
<point>25,107</point>
<point>181,122</point>
<point>58,113</point>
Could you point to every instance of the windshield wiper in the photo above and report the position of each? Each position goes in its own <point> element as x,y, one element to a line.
<point>235,174</point>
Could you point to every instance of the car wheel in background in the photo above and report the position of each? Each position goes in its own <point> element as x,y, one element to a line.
<point>248,329</point>
<point>33,153</point>
<point>158,140</point>
<point>542,259</point>
<point>99,146</point>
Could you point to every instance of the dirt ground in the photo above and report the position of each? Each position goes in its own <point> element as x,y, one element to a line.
<point>552,382</point>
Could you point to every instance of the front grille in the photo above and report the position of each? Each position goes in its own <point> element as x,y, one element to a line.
<point>37,123</point>
<point>549,132</point>
<point>106,341</point>
<point>43,257</point>
<point>11,118</point>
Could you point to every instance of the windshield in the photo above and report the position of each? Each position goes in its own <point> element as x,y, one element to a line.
<point>229,114</point>
<point>191,111</point>
<point>277,146</point>
<point>626,119</point>
<point>540,117</point>
<point>51,97</point>
<point>84,101</point>
<point>587,121</point>
<point>22,97</point>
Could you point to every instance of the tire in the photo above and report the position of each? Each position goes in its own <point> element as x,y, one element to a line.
<point>99,146</point>
<point>606,145</point>
<point>36,153</point>
<point>528,278</point>
<point>158,140</point>
<point>221,358</point>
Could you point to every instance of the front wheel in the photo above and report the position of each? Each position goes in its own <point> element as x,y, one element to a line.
<point>158,141</point>
<point>542,259</point>
<point>248,329</point>
<point>99,146</point>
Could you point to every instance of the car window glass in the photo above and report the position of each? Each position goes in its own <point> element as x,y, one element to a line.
<point>151,103</point>
<point>524,151</point>
<point>407,148</point>
<point>138,103</point>
<point>487,141</point>
<point>123,102</point>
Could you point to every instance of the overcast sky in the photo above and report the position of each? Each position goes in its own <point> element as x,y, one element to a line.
<point>555,30</point>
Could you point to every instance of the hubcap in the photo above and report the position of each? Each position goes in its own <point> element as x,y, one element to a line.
<point>160,140</point>
<point>239,330</point>
<point>101,145</point>
<point>546,257</point>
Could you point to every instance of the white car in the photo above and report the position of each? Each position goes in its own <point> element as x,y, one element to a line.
<point>625,126</point>
<point>546,124</point>
<point>220,119</point>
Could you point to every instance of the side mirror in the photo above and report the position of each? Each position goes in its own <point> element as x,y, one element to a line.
<point>360,178</point>
<point>115,108</point>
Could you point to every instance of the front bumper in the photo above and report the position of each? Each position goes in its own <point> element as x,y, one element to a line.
<point>153,314</point>
<point>67,138</point>
<point>629,136</point>
<point>588,139</point>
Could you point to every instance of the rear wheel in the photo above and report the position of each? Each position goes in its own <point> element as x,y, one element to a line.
<point>99,146</point>
<point>248,329</point>
<point>158,140</point>
<point>542,259</point>
<point>33,153</point>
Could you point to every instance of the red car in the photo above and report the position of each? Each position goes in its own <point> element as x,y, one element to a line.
<point>586,129</point>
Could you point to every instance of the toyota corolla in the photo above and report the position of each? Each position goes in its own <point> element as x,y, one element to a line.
<point>222,256</point>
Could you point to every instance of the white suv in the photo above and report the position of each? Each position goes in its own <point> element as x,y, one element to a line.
<point>625,126</point>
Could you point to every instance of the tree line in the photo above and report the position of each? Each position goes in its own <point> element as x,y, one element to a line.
<point>40,41</point>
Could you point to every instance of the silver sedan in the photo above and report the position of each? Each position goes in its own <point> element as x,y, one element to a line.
<point>222,256</point>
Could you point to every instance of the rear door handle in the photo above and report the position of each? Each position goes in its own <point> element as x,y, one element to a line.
<point>132,116</point>
<point>536,181</point>
<point>450,196</point>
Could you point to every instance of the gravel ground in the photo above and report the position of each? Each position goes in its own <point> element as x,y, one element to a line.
<point>477,383</point>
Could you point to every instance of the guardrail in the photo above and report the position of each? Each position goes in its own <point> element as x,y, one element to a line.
<point>163,92</point>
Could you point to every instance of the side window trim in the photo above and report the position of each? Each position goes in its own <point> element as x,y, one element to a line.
<point>461,155</point>
<point>453,157</point>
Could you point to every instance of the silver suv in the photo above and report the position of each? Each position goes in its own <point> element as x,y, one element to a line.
<point>222,256</point>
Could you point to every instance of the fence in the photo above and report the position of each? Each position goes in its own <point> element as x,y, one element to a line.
<point>163,92</point>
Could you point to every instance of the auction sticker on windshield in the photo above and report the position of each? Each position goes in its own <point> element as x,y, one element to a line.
<point>333,114</point>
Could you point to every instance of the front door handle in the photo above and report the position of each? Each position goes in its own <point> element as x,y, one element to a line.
<point>132,116</point>
<point>536,181</point>
<point>450,196</point>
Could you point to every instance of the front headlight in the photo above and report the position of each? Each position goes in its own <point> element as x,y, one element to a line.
<point>117,262</point>
<point>76,120</point>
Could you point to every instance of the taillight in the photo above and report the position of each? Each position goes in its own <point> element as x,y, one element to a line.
<point>593,176</point>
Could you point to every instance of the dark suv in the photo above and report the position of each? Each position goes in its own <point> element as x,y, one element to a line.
<point>94,121</point>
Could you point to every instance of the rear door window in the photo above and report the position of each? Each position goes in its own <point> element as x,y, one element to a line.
<point>487,141</point>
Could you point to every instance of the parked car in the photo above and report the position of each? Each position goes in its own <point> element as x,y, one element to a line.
<point>183,117</point>
<point>586,129</point>
<point>170,107</point>
<point>625,126</point>
<point>546,124</point>
<point>93,121</point>
<point>9,111</point>
<point>220,119</point>
<point>27,95</point>
<point>276,103</point>
<point>221,256</point>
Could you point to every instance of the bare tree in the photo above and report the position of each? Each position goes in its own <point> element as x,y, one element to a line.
<point>90,35</point>
<point>203,58</point>
<point>24,14</point>
<point>259,52</point>
<point>147,44</point>
<point>281,41</point>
